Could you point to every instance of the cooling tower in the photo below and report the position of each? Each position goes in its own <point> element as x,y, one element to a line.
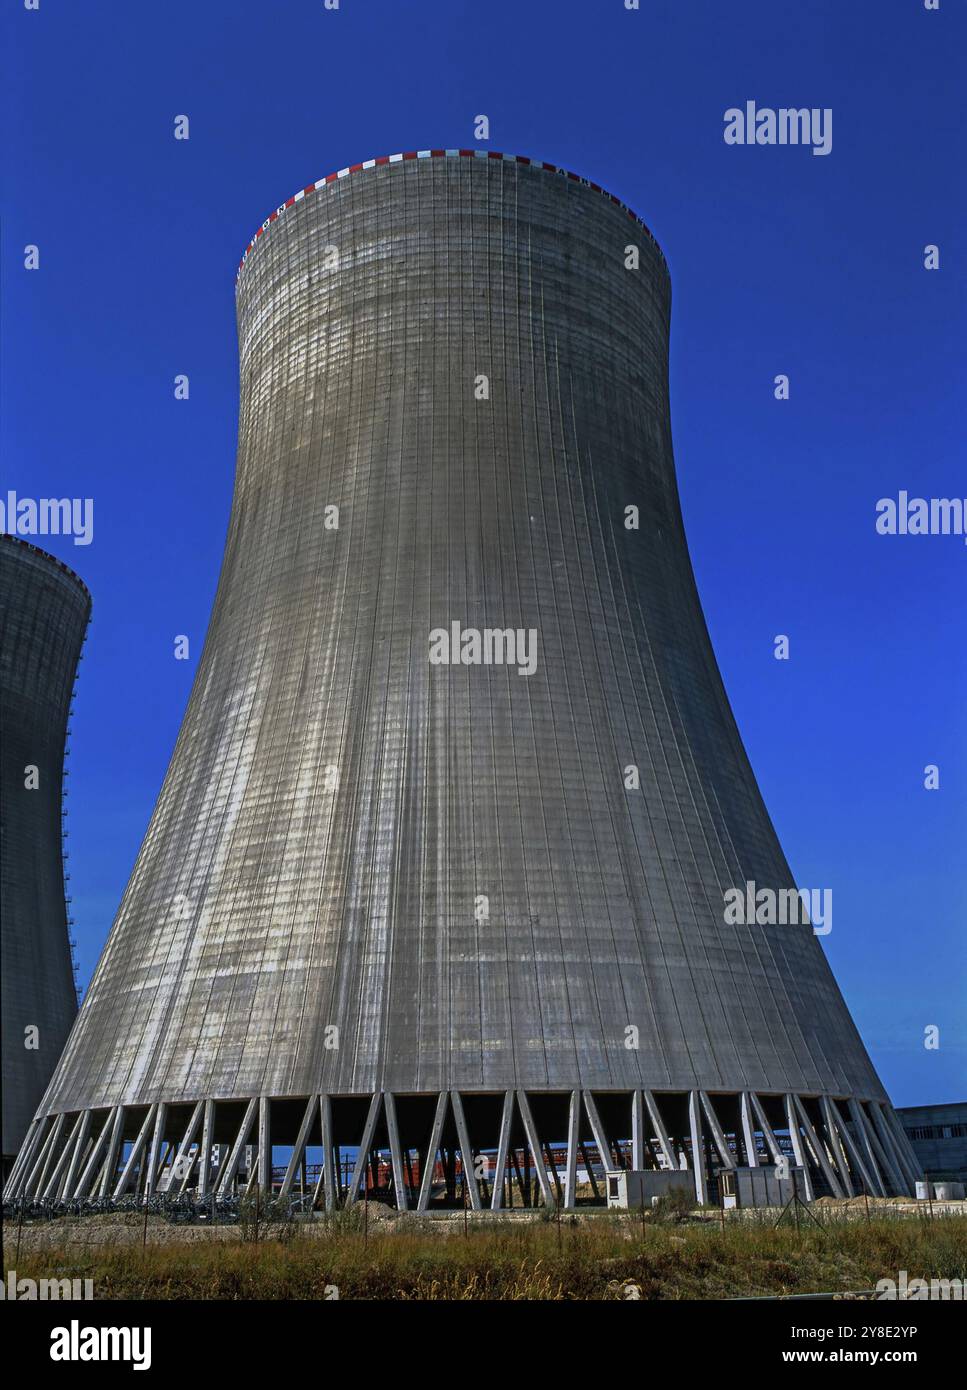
<point>440,866</point>
<point>44,610</point>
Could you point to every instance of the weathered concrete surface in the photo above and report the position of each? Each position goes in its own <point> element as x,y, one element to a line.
<point>338,811</point>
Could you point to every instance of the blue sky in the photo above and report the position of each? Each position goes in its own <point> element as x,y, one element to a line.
<point>782,262</point>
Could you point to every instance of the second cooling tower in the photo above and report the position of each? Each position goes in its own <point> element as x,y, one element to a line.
<point>44,612</point>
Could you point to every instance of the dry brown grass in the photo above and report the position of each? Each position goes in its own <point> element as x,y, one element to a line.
<point>595,1258</point>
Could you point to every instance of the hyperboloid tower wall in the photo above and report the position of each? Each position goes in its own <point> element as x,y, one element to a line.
<point>44,611</point>
<point>433,909</point>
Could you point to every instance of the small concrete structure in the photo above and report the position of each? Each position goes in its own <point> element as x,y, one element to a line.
<point>759,1187</point>
<point>948,1191</point>
<point>633,1188</point>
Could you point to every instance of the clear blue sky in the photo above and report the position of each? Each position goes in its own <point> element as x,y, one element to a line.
<point>781,262</point>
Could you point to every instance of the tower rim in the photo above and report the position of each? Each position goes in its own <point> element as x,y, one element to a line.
<point>384,159</point>
<point>9,538</point>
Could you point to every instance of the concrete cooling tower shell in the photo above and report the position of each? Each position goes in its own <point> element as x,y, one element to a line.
<point>440,862</point>
<point>44,611</point>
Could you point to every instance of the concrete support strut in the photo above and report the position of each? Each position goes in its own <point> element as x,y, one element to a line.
<point>466,1152</point>
<point>299,1147</point>
<point>33,1181</point>
<point>870,1153</point>
<point>111,1157</point>
<point>858,1160</point>
<point>573,1135</point>
<point>795,1138</point>
<point>721,1143</point>
<point>817,1148</point>
<point>748,1130</point>
<point>503,1145</point>
<point>235,1153</point>
<point>56,1178</point>
<point>530,1129</point>
<point>698,1148</point>
<point>864,1138</point>
<point>89,1170</point>
<point>180,1171</point>
<point>396,1154</point>
<point>134,1156</point>
<point>365,1143</point>
<point>905,1154</point>
<point>661,1133</point>
<point>27,1150</point>
<point>432,1149</point>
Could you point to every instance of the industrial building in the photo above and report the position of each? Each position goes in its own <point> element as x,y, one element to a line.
<point>938,1137</point>
<point>44,612</point>
<point>401,915</point>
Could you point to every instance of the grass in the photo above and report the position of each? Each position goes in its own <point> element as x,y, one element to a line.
<point>594,1258</point>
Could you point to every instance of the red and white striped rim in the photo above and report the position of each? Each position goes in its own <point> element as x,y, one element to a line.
<point>441,154</point>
